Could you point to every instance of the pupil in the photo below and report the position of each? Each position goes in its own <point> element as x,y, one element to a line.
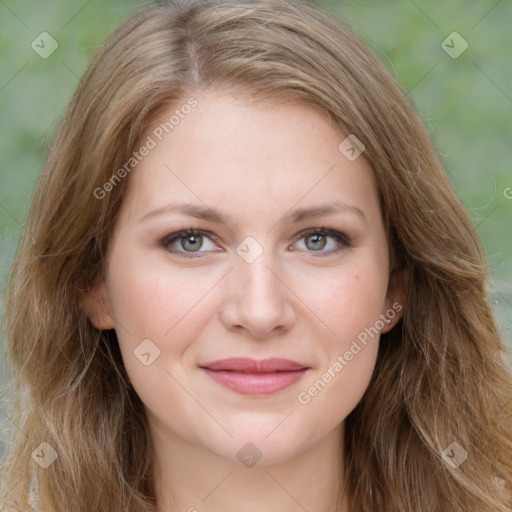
<point>316,242</point>
<point>195,245</point>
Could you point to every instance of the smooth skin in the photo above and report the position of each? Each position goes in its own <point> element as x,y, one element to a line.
<point>306,297</point>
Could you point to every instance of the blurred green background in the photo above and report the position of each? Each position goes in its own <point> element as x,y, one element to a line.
<point>466,102</point>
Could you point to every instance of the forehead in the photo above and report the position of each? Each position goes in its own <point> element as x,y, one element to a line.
<point>232,152</point>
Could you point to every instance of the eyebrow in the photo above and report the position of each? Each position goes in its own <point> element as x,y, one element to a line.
<point>293,217</point>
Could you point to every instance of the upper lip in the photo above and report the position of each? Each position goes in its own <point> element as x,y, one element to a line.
<point>243,364</point>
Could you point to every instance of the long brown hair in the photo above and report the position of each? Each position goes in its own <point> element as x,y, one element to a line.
<point>440,376</point>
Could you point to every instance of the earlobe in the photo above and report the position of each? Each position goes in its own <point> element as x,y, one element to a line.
<point>395,300</point>
<point>96,305</point>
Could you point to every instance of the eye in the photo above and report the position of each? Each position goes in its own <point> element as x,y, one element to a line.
<point>316,239</point>
<point>187,241</point>
<point>190,241</point>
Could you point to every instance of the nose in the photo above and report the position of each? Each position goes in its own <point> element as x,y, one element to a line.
<point>258,299</point>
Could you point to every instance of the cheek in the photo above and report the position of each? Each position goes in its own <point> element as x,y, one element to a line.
<point>350,299</point>
<point>150,298</point>
<point>352,311</point>
<point>350,304</point>
<point>152,301</point>
<point>335,390</point>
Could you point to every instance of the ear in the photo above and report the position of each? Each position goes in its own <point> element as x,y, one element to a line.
<point>394,303</point>
<point>95,303</point>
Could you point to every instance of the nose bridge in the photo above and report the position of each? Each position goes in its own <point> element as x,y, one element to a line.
<point>253,270</point>
<point>257,299</point>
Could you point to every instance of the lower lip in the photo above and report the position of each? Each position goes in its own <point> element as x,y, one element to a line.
<point>255,383</point>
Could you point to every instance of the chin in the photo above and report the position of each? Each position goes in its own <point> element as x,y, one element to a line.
<point>249,447</point>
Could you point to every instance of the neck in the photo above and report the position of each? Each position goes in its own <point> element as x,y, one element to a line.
<point>189,478</point>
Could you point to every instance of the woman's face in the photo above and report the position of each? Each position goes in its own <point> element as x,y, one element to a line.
<point>251,283</point>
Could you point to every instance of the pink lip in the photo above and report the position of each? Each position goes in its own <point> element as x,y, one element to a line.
<point>251,377</point>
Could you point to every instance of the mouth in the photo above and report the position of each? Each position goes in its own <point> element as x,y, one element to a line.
<point>253,377</point>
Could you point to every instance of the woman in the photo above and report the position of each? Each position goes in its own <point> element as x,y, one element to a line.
<point>245,281</point>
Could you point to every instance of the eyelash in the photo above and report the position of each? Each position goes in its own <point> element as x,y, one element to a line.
<point>340,237</point>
